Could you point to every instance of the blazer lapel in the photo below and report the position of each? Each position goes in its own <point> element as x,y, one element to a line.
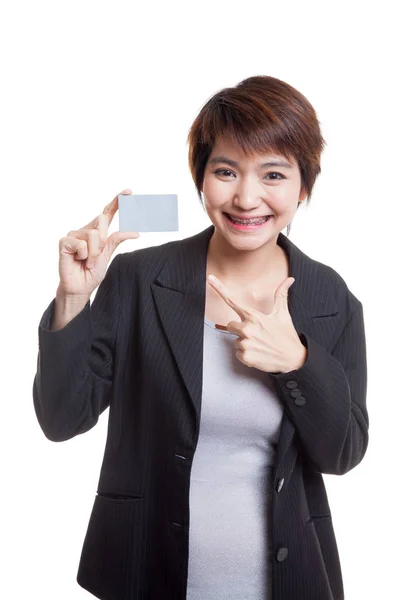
<point>179,292</point>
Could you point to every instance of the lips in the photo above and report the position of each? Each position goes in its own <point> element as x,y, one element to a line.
<point>247,222</point>
<point>249,217</point>
<point>249,226</point>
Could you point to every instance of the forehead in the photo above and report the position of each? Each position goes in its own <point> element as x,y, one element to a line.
<point>227,148</point>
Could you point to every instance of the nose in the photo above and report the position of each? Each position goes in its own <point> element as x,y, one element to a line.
<point>248,196</point>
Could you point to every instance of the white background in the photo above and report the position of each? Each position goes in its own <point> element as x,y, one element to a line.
<point>99,96</point>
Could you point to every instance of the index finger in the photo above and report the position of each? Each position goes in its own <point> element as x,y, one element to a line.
<point>242,310</point>
<point>109,211</point>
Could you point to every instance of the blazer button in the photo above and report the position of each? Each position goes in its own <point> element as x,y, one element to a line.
<point>291,384</point>
<point>282,554</point>
<point>280,484</point>
<point>295,393</point>
<point>300,400</point>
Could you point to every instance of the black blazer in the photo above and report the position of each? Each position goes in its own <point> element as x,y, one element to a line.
<point>139,349</point>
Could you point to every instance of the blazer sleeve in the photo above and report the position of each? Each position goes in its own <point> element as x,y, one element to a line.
<point>74,376</point>
<point>332,422</point>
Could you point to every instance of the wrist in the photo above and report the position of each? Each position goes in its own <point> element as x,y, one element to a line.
<point>297,359</point>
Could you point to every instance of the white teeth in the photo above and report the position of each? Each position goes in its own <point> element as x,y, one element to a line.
<point>249,221</point>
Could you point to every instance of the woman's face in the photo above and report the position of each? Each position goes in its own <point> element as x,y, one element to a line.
<point>244,188</point>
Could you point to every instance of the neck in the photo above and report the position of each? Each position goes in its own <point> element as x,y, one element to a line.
<point>242,267</point>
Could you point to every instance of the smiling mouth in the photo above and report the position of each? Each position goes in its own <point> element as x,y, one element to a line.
<point>252,221</point>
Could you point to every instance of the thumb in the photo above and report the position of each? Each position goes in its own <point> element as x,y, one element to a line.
<point>281,294</point>
<point>116,238</point>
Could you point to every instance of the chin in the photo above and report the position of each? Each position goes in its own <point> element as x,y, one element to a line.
<point>244,242</point>
<point>248,242</point>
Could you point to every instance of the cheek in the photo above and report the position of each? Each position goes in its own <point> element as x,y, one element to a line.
<point>215,195</point>
<point>282,194</point>
<point>283,199</point>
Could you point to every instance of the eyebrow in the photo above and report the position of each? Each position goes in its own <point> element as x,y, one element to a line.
<point>233,163</point>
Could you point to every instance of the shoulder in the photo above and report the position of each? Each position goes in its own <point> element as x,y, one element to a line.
<point>334,284</point>
<point>150,260</point>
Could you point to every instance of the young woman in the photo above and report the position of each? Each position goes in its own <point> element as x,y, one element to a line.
<point>228,397</point>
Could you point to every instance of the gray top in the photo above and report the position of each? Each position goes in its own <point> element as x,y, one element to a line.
<point>231,483</point>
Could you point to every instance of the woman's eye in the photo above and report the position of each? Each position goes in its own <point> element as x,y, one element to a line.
<point>224,171</point>
<point>280,175</point>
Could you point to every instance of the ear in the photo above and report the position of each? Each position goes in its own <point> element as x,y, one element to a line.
<point>303,194</point>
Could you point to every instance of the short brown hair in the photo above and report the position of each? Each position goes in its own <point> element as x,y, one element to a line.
<point>260,114</point>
